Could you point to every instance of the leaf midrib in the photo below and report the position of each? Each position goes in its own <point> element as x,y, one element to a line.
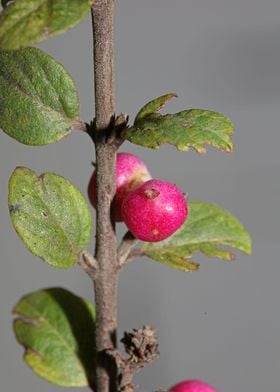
<point>70,243</point>
<point>221,135</point>
<point>37,102</point>
<point>57,94</point>
<point>52,327</point>
<point>26,15</point>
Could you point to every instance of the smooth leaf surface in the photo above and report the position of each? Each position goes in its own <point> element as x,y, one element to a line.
<point>56,329</point>
<point>50,215</point>
<point>194,128</point>
<point>207,228</point>
<point>25,22</point>
<point>38,99</point>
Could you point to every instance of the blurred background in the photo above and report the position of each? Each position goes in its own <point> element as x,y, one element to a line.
<point>222,323</point>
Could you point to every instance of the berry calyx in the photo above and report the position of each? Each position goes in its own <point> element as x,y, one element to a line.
<point>131,172</point>
<point>154,210</point>
<point>192,386</point>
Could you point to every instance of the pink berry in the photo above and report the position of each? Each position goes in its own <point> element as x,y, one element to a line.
<point>154,210</point>
<point>192,386</point>
<point>130,173</point>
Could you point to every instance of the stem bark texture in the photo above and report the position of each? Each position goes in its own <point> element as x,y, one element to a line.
<point>106,280</point>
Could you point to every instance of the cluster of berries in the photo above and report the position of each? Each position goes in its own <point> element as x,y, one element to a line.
<point>152,209</point>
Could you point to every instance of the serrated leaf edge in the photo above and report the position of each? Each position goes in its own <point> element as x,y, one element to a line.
<point>164,100</point>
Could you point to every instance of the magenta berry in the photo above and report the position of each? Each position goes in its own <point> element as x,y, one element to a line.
<point>130,173</point>
<point>154,210</point>
<point>192,386</point>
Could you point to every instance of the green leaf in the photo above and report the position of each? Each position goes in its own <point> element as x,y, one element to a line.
<point>50,215</point>
<point>154,106</point>
<point>56,329</point>
<point>206,229</point>
<point>194,128</point>
<point>38,98</point>
<point>25,22</point>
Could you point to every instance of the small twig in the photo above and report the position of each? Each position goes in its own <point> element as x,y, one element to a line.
<point>88,263</point>
<point>133,254</point>
<point>142,347</point>
<point>81,126</point>
<point>125,247</point>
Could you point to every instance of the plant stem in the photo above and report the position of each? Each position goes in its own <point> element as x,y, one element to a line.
<point>104,76</point>
<point>105,283</point>
<point>106,255</point>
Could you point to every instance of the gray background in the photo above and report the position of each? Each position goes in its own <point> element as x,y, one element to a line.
<point>222,323</point>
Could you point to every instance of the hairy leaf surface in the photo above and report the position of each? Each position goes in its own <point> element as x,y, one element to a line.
<point>50,215</point>
<point>25,22</point>
<point>194,128</point>
<point>56,329</point>
<point>38,99</point>
<point>206,229</point>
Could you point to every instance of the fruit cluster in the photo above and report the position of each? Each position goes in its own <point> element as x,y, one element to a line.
<point>152,209</point>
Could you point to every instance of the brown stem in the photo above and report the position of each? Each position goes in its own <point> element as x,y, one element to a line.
<point>106,280</point>
<point>104,77</point>
<point>106,256</point>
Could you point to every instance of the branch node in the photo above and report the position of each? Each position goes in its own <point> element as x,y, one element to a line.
<point>88,263</point>
<point>116,135</point>
<point>80,125</point>
<point>122,121</point>
<point>124,249</point>
<point>114,353</point>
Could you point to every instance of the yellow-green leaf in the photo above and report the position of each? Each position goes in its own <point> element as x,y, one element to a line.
<point>195,128</point>
<point>154,106</point>
<point>207,228</point>
<point>25,22</point>
<point>56,329</point>
<point>50,215</point>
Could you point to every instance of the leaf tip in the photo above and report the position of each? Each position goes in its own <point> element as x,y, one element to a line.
<point>249,249</point>
<point>192,267</point>
<point>171,96</point>
<point>201,150</point>
<point>182,147</point>
<point>229,147</point>
<point>231,256</point>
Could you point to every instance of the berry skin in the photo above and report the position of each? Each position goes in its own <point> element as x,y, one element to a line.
<point>192,386</point>
<point>130,173</point>
<point>154,210</point>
